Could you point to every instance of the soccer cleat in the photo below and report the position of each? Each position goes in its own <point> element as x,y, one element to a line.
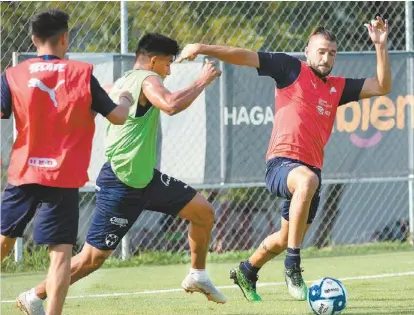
<point>247,286</point>
<point>294,281</point>
<point>29,307</point>
<point>205,287</point>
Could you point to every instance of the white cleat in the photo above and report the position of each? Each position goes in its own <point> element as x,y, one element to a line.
<point>205,287</point>
<point>296,286</point>
<point>29,307</point>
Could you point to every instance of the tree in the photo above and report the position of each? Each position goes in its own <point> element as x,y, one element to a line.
<point>273,26</point>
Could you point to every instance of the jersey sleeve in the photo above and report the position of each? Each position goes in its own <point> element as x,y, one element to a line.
<point>283,68</point>
<point>352,90</point>
<point>101,102</point>
<point>6,98</point>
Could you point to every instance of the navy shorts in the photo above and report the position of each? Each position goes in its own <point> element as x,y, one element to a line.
<point>118,205</point>
<point>55,212</point>
<point>277,171</point>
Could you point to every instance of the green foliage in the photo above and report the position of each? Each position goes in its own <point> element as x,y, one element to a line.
<point>273,26</point>
<point>94,26</point>
<point>36,258</point>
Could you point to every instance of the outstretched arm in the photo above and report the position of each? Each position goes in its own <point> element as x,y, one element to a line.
<point>235,56</point>
<point>381,83</point>
<point>173,103</point>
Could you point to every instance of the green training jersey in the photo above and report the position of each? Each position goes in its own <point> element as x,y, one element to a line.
<point>131,148</point>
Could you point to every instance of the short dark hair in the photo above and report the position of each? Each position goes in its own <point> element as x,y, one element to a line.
<point>153,44</point>
<point>48,25</point>
<point>321,30</point>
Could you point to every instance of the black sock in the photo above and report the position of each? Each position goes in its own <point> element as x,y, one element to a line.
<point>292,257</point>
<point>249,271</point>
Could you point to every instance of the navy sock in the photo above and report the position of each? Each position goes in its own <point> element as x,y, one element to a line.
<point>292,257</point>
<point>249,271</point>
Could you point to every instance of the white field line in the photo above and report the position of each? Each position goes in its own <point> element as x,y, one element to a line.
<point>224,287</point>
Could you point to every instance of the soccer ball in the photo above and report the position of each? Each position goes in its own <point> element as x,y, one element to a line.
<point>327,296</point>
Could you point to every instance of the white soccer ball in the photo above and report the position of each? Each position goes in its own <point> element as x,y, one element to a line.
<point>327,296</point>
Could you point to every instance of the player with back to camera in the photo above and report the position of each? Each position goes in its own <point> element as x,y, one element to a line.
<point>128,181</point>
<point>306,105</point>
<point>53,103</point>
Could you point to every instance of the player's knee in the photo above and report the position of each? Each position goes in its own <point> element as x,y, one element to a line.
<point>283,242</point>
<point>308,184</point>
<point>199,212</point>
<point>206,214</point>
<point>93,262</point>
<point>59,262</point>
<point>97,262</point>
<point>209,215</point>
<point>60,255</point>
<point>59,268</point>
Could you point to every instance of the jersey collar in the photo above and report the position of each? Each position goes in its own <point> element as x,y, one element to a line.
<point>48,57</point>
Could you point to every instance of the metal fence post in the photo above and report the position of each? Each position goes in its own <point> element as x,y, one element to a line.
<point>410,72</point>
<point>126,253</point>
<point>18,246</point>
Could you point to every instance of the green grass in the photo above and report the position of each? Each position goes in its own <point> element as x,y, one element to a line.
<point>37,259</point>
<point>388,296</point>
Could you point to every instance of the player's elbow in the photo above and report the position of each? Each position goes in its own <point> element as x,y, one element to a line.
<point>120,113</point>
<point>170,111</point>
<point>387,89</point>
<point>383,90</point>
<point>172,108</point>
<point>384,86</point>
<point>119,119</point>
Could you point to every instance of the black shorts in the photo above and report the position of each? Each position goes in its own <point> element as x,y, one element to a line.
<point>55,211</point>
<point>277,172</point>
<point>118,205</point>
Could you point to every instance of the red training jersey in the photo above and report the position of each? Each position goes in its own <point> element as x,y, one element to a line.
<point>54,121</point>
<point>305,114</point>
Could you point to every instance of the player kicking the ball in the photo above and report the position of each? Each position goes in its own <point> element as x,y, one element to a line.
<point>306,104</point>
<point>128,182</point>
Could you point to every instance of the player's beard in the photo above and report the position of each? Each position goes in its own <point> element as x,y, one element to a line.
<point>318,72</point>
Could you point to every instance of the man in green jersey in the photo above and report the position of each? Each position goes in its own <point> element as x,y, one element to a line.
<point>128,181</point>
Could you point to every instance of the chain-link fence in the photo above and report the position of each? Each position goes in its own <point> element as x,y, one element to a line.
<point>222,139</point>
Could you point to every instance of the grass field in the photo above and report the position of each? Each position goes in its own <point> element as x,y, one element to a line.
<point>376,284</point>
